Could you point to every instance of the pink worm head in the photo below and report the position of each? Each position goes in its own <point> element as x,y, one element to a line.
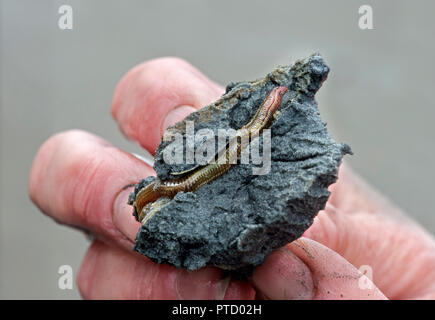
<point>280,90</point>
<point>276,95</point>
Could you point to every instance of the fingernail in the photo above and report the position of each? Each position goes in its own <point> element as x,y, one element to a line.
<point>202,284</point>
<point>175,115</point>
<point>284,276</point>
<point>123,218</point>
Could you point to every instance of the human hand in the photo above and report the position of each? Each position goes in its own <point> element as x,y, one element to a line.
<point>78,179</point>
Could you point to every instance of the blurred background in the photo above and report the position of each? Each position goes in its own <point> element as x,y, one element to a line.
<point>378,97</point>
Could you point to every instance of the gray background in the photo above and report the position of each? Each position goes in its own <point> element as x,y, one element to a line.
<point>378,97</point>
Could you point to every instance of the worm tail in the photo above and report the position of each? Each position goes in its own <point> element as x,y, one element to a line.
<point>145,196</point>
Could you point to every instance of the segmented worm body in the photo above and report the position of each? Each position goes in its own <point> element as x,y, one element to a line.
<point>198,176</point>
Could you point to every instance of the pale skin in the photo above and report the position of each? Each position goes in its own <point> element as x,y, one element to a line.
<point>77,179</point>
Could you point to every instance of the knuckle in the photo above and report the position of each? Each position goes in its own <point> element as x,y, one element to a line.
<point>83,282</point>
<point>65,174</point>
<point>166,64</point>
<point>158,74</point>
<point>144,84</point>
<point>86,277</point>
<point>86,177</point>
<point>45,160</point>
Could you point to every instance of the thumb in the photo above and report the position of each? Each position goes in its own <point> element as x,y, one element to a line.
<point>306,269</point>
<point>157,94</point>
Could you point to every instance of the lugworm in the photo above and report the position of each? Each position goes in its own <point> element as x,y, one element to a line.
<point>201,175</point>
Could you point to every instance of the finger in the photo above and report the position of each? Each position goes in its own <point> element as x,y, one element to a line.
<point>283,276</point>
<point>111,273</point>
<point>398,254</point>
<point>157,94</point>
<point>335,277</point>
<point>352,194</point>
<point>306,269</point>
<point>78,179</point>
